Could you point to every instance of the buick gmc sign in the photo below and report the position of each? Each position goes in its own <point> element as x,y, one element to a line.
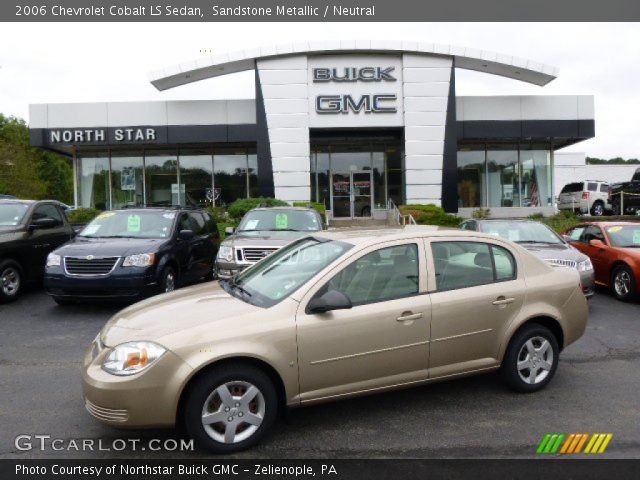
<point>348,88</point>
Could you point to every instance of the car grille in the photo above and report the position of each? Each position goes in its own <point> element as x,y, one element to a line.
<point>253,255</point>
<point>107,414</point>
<point>89,266</point>
<point>561,262</point>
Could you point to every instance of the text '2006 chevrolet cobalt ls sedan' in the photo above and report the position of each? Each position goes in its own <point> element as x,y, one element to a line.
<point>330,316</point>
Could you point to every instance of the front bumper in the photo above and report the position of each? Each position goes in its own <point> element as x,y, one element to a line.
<point>118,285</point>
<point>147,399</point>
<point>225,270</point>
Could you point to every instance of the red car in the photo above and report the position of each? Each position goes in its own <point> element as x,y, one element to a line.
<point>614,250</point>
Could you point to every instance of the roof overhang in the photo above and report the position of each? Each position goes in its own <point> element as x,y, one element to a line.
<point>467,58</point>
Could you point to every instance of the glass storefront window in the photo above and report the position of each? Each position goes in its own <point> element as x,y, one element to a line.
<point>536,178</point>
<point>502,176</point>
<point>93,181</point>
<point>395,175</point>
<point>379,184</point>
<point>230,176</point>
<point>196,177</point>
<point>471,178</point>
<point>127,188</point>
<point>252,172</point>
<point>161,177</point>
<point>320,177</point>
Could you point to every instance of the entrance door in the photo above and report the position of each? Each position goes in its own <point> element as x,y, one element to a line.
<point>352,194</point>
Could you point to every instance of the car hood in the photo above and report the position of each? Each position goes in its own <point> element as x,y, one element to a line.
<point>550,252</point>
<point>174,312</point>
<point>264,239</point>
<point>109,247</point>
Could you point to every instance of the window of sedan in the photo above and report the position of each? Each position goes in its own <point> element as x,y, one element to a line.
<point>592,233</point>
<point>384,274</point>
<point>467,264</point>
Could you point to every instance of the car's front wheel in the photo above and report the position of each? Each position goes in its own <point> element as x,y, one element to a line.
<point>10,281</point>
<point>597,210</point>
<point>168,280</point>
<point>623,283</point>
<point>230,408</point>
<point>531,359</point>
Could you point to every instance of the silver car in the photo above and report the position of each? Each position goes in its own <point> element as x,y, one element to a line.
<point>543,242</point>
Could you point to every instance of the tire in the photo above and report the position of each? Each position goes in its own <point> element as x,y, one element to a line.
<point>623,283</point>
<point>11,281</point>
<point>597,209</point>
<point>525,347</point>
<point>615,208</point>
<point>168,280</point>
<point>63,302</point>
<point>224,435</point>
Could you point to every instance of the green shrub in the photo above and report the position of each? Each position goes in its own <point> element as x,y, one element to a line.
<point>219,214</point>
<point>315,205</point>
<point>82,215</point>
<point>481,213</point>
<point>430,215</point>
<point>536,216</point>
<point>241,206</point>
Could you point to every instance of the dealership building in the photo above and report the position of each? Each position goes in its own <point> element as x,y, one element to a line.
<point>359,126</point>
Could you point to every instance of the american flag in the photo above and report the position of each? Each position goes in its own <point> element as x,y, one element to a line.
<point>535,200</point>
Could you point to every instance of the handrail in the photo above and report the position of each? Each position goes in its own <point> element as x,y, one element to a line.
<point>401,218</point>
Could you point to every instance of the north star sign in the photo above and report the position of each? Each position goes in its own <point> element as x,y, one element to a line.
<point>97,135</point>
<point>345,103</point>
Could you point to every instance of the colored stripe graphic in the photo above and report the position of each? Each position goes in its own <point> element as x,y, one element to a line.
<point>553,443</point>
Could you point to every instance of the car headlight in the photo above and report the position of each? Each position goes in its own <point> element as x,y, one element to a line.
<point>132,357</point>
<point>139,260</point>
<point>225,253</point>
<point>53,260</point>
<point>585,265</point>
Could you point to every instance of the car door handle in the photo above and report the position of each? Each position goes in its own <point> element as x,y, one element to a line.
<point>503,301</point>
<point>406,316</point>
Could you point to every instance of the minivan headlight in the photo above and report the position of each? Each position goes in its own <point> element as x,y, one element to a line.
<point>225,253</point>
<point>132,357</point>
<point>139,260</point>
<point>585,265</point>
<point>53,260</point>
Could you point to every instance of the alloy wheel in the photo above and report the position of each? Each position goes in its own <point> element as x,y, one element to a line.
<point>598,209</point>
<point>170,282</point>
<point>535,360</point>
<point>622,283</point>
<point>233,412</point>
<point>10,281</point>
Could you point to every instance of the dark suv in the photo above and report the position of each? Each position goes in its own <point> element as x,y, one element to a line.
<point>29,230</point>
<point>134,253</point>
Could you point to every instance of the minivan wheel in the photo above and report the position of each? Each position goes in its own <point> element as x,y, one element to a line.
<point>597,209</point>
<point>623,283</point>
<point>230,408</point>
<point>10,281</point>
<point>531,359</point>
<point>168,280</point>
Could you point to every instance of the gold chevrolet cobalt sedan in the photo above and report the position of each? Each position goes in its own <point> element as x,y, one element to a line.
<point>327,317</point>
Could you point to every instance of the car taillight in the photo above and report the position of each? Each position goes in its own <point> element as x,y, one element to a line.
<point>585,195</point>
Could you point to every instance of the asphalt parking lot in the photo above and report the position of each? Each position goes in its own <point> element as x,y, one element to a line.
<point>595,390</point>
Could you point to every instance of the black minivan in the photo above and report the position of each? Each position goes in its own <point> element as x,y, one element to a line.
<point>133,253</point>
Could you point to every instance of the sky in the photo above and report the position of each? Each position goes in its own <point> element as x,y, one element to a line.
<point>100,62</point>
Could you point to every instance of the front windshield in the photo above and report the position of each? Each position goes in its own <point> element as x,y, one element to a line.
<point>278,219</point>
<point>130,224</point>
<point>283,272</point>
<point>11,214</point>
<point>627,236</point>
<point>522,232</point>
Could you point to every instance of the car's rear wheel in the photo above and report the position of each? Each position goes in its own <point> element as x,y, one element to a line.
<point>168,280</point>
<point>230,408</point>
<point>531,359</point>
<point>10,281</point>
<point>623,283</point>
<point>597,209</point>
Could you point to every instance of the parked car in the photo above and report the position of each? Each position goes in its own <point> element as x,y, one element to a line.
<point>614,249</point>
<point>133,253</point>
<point>543,242</point>
<point>329,316</point>
<point>261,232</point>
<point>588,197</point>
<point>29,230</point>
<point>627,192</point>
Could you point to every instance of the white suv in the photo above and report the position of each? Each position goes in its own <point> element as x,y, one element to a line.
<point>590,196</point>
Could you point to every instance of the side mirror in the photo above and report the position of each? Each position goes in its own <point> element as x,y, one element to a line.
<point>43,223</point>
<point>229,230</point>
<point>331,300</point>
<point>596,243</point>
<point>186,234</point>
<point>567,238</point>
